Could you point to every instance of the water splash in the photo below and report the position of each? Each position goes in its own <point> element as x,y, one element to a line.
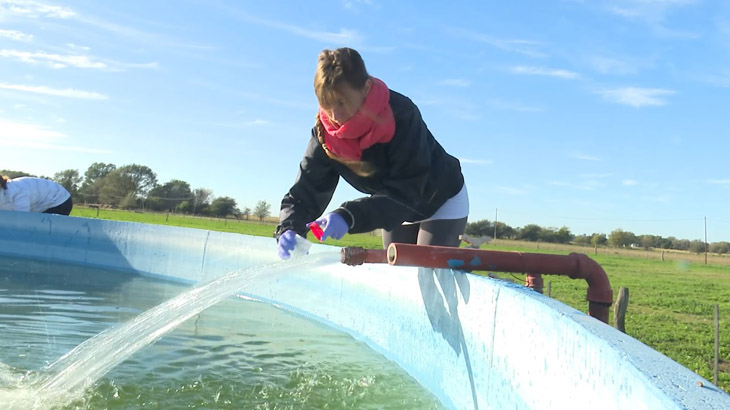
<point>66,379</point>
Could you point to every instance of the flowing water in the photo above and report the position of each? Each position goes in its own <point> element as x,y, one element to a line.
<point>271,360</point>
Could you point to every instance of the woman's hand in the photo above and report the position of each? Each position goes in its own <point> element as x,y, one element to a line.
<point>287,243</point>
<point>333,226</point>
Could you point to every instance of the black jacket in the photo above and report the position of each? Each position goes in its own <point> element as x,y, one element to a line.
<point>413,176</point>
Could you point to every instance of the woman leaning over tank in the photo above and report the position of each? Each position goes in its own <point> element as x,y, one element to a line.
<point>375,139</point>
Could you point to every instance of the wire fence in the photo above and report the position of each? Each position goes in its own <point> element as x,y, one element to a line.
<point>655,254</point>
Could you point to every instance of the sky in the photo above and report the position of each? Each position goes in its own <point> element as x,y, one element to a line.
<point>591,114</point>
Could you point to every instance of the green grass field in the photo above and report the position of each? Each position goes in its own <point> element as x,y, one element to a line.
<point>671,304</point>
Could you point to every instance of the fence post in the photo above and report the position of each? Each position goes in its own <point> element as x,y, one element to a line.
<point>717,342</point>
<point>619,309</point>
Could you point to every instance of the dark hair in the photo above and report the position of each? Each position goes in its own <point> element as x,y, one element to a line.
<point>4,182</point>
<point>335,67</point>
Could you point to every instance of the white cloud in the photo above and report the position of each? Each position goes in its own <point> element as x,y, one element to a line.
<point>37,137</point>
<point>584,157</point>
<point>607,65</point>
<point>718,80</point>
<point>624,12</point>
<point>16,130</point>
<point>34,9</point>
<point>599,176</point>
<point>455,82</point>
<point>257,122</point>
<point>476,161</point>
<point>73,46</point>
<point>66,92</point>
<point>583,185</point>
<point>518,46</point>
<point>549,72</point>
<point>637,97</point>
<point>16,35</point>
<point>510,190</point>
<point>354,5</point>
<point>37,10</point>
<point>343,36</point>
<point>512,106</point>
<point>282,101</point>
<point>651,12</point>
<point>560,183</point>
<point>53,60</point>
<point>119,66</point>
<point>629,182</point>
<point>719,181</point>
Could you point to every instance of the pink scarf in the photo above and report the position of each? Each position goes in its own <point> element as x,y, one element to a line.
<point>373,123</point>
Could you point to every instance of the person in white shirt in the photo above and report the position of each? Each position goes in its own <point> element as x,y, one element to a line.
<point>30,194</point>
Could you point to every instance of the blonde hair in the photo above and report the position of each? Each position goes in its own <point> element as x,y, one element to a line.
<point>335,67</point>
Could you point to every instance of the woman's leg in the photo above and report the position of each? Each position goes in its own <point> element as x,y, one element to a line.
<point>63,209</point>
<point>401,234</point>
<point>441,232</point>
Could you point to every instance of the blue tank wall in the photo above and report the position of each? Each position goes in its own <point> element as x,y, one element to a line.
<point>473,341</point>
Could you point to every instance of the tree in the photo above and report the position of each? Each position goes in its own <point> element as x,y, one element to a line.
<point>142,177</point>
<point>169,195</point>
<point>720,247</point>
<point>479,228</point>
<point>582,240</point>
<point>681,244</point>
<point>14,174</point>
<point>246,212</point>
<point>93,176</point>
<point>598,239</point>
<point>223,206</point>
<point>262,210</point>
<point>697,246</point>
<point>563,235</point>
<point>620,238</point>
<point>115,187</point>
<point>667,243</point>
<point>69,179</point>
<point>201,200</point>
<point>505,231</point>
<point>547,235</point>
<point>129,201</point>
<point>529,232</point>
<point>648,241</point>
<point>185,207</point>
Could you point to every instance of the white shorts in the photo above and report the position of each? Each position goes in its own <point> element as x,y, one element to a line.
<point>456,207</point>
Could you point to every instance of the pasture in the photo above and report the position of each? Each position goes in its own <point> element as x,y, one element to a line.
<point>672,297</point>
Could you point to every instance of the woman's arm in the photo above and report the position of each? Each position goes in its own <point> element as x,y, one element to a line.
<point>311,192</point>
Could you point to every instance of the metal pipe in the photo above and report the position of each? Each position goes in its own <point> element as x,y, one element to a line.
<point>534,282</point>
<point>576,265</point>
<point>357,256</point>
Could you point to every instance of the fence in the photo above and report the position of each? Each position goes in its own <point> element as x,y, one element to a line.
<point>656,254</point>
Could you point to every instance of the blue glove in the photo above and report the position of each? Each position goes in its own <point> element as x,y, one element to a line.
<point>287,243</point>
<point>333,226</point>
